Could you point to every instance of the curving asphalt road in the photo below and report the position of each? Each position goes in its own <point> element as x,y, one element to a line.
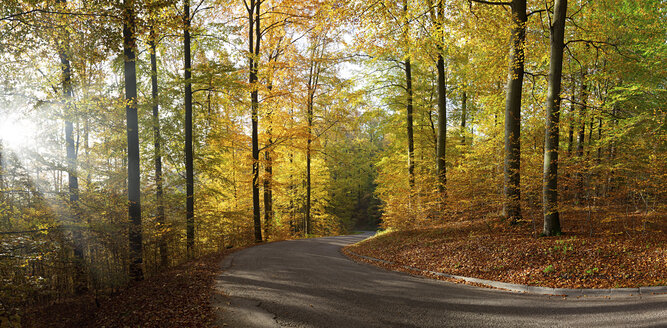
<point>309,283</point>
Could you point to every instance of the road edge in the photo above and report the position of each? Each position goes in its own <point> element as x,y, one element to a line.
<point>526,289</point>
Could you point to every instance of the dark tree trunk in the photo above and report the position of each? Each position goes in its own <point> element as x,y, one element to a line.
<point>581,136</point>
<point>464,114</point>
<point>253,47</point>
<point>268,170</point>
<point>599,148</point>
<point>409,96</point>
<point>512,167</point>
<point>268,180</point>
<point>570,134</point>
<point>268,194</point>
<point>441,167</point>
<point>308,220</point>
<point>313,79</point>
<point>133,176</point>
<point>582,117</point>
<point>159,218</point>
<point>2,172</point>
<point>80,281</point>
<point>189,165</point>
<point>551,139</point>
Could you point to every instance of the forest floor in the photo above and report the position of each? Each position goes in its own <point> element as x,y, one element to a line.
<point>178,297</point>
<point>607,251</point>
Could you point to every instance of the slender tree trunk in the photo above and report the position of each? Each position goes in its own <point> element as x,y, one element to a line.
<point>551,139</point>
<point>442,106</point>
<point>80,279</point>
<point>313,82</point>
<point>599,148</point>
<point>590,135</point>
<point>464,114</point>
<point>268,180</point>
<point>309,229</point>
<point>512,167</point>
<point>189,165</point>
<point>582,117</point>
<point>409,96</point>
<point>160,217</point>
<point>2,172</point>
<point>133,185</point>
<point>253,47</point>
<point>293,225</point>
<point>581,136</point>
<point>570,135</point>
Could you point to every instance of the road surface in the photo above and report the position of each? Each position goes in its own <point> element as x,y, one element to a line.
<point>309,283</point>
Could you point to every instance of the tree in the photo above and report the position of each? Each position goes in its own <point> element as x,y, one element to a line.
<point>189,166</point>
<point>254,39</point>
<point>314,69</point>
<point>512,165</point>
<point>441,168</point>
<point>512,168</point>
<point>159,193</point>
<point>551,138</point>
<point>73,181</point>
<point>409,96</point>
<point>133,174</point>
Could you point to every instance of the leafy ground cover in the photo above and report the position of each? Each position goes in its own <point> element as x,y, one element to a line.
<point>178,297</point>
<point>628,251</point>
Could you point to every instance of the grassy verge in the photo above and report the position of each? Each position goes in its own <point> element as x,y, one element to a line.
<point>614,256</point>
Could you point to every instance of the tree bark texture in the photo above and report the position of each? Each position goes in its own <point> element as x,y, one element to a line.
<point>268,177</point>
<point>189,165</point>
<point>133,176</point>
<point>409,96</point>
<point>442,106</point>
<point>80,283</point>
<point>254,47</point>
<point>551,139</point>
<point>512,165</point>
<point>313,80</point>
<point>464,114</point>
<point>159,217</point>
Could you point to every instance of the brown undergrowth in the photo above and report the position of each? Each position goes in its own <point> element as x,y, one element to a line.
<point>178,297</point>
<point>628,251</point>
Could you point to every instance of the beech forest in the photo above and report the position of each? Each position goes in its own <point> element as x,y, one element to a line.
<point>138,135</point>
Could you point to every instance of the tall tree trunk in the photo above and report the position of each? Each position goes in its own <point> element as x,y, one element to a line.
<point>581,135</point>
<point>189,165</point>
<point>409,95</point>
<point>308,220</point>
<point>268,179</point>
<point>133,174</point>
<point>582,116</point>
<point>551,139</point>
<point>2,172</point>
<point>464,114</point>
<point>254,47</point>
<point>599,148</point>
<point>570,134</point>
<point>80,280</point>
<point>160,217</point>
<point>268,169</point>
<point>512,167</point>
<point>441,167</point>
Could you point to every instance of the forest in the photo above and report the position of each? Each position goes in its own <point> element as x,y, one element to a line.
<point>137,135</point>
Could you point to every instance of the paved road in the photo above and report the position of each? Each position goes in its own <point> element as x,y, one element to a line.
<point>309,283</point>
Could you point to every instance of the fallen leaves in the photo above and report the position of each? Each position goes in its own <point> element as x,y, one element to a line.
<point>175,298</point>
<point>509,254</point>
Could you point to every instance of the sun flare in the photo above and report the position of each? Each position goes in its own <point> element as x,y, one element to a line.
<point>16,133</point>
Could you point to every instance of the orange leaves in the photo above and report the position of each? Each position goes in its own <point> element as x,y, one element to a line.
<point>176,298</point>
<point>575,261</point>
